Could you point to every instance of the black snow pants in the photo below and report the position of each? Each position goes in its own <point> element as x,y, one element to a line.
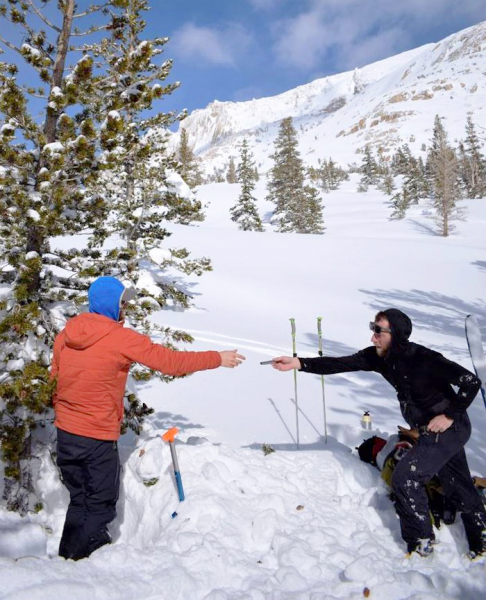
<point>443,455</point>
<point>90,470</point>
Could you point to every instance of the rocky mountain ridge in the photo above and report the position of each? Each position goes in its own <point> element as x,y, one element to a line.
<point>385,104</point>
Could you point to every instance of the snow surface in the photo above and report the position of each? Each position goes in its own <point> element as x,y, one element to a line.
<point>299,524</point>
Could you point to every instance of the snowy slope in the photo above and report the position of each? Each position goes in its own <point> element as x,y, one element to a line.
<point>385,104</point>
<point>240,534</point>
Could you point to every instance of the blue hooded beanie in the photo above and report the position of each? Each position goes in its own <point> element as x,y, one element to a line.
<point>104,296</point>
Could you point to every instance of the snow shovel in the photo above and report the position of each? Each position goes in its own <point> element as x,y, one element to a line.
<point>169,437</point>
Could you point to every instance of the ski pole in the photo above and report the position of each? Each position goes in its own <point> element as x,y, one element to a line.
<point>169,437</point>
<point>319,336</point>
<point>294,353</point>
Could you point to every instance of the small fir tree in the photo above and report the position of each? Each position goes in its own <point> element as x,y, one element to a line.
<point>231,175</point>
<point>189,169</point>
<point>414,182</point>
<point>245,212</point>
<point>401,160</point>
<point>369,170</point>
<point>387,183</point>
<point>400,203</point>
<point>296,205</point>
<point>473,163</point>
<point>328,175</point>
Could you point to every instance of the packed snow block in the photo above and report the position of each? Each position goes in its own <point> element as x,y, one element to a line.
<point>151,461</point>
<point>217,473</point>
<point>264,526</point>
<point>19,539</point>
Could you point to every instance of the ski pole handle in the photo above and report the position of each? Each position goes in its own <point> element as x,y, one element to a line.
<point>292,325</point>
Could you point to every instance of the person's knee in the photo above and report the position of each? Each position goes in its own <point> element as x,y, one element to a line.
<point>399,477</point>
<point>406,475</point>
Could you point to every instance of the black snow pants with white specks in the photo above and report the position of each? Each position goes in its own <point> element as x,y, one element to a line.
<point>91,472</point>
<point>443,455</point>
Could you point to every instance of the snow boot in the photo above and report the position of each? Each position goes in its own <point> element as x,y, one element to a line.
<point>479,549</point>
<point>421,547</point>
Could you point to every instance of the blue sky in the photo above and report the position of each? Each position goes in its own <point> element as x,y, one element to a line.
<point>233,50</point>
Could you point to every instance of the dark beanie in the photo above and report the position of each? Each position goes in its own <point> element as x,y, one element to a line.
<point>401,327</point>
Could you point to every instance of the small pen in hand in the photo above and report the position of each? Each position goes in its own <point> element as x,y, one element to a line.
<point>267,362</point>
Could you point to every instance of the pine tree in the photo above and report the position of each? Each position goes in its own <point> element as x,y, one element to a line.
<point>190,169</point>
<point>401,160</point>
<point>473,163</point>
<point>54,181</point>
<point>328,175</point>
<point>231,175</point>
<point>414,186</point>
<point>143,185</point>
<point>44,168</point>
<point>413,181</point>
<point>286,187</point>
<point>369,170</point>
<point>400,203</point>
<point>444,170</point>
<point>387,183</point>
<point>310,218</point>
<point>245,212</point>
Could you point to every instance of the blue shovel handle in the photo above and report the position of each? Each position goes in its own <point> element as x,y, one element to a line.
<point>180,489</point>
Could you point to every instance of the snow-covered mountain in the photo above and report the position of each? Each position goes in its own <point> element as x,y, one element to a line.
<point>385,104</point>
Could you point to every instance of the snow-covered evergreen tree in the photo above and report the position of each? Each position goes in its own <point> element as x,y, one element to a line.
<point>369,170</point>
<point>190,169</point>
<point>55,180</point>
<point>400,203</point>
<point>296,205</point>
<point>245,212</point>
<point>387,183</point>
<point>141,183</point>
<point>401,160</point>
<point>44,169</point>
<point>231,175</point>
<point>414,181</point>
<point>473,163</point>
<point>328,175</point>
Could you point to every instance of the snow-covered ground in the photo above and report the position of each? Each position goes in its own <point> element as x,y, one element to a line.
<point>312,523</point>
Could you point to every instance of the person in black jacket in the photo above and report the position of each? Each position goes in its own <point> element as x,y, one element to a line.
<point>423,380</point>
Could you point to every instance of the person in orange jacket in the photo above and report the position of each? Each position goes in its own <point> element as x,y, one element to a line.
<point>92,358</point>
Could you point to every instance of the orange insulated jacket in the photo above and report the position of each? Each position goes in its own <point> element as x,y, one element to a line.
<point>92,356</point>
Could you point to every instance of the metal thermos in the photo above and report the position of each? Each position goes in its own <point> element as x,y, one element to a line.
<point>366,420</point>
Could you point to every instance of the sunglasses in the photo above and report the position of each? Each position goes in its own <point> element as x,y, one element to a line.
<point>377,329</point>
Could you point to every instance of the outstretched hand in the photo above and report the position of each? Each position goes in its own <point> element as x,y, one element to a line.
<point>231,358</point>
<point>286,363</point>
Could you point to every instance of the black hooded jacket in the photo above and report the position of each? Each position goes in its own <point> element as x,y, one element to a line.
<point>422,378</point>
